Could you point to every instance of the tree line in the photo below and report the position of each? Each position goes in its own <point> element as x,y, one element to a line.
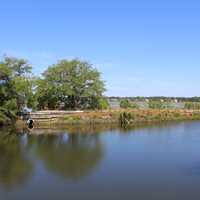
<point>158,98</point>
<point>68,84</point>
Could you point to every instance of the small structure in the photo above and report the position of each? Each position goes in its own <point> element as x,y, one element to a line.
<point>30,123</point>
<point>114,103</point>
<point>175,101</point>
<point>26,113</point>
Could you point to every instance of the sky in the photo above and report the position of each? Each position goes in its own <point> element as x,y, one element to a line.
<point>142,48</point>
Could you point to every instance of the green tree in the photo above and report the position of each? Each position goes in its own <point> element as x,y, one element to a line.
<point>16,87</point>
<point>8,103</point>
<point>125,103</point>
<point>19,67</point>
<point>74,82</point>
<point>102,104</point>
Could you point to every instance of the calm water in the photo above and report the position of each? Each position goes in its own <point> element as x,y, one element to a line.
<point>155,162</point>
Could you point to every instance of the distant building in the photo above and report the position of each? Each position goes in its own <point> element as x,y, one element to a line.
<point>175,101</point>
<point>114,103</point>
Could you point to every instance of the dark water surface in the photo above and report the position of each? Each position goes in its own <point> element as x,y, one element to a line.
<point>154,162</point>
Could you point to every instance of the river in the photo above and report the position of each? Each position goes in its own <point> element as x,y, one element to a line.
<point>155,162</point>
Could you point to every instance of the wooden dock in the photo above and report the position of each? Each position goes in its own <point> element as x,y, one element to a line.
<point>49,115</point>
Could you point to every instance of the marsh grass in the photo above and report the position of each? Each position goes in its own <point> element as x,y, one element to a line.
<point>123,117</point>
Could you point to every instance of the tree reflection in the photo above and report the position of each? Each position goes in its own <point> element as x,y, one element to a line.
<point>69,155</point>
<point>15,167</point>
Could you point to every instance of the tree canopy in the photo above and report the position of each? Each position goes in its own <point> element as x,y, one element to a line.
<point>74,82</point>
<point>16,87</point>
<point>68,84</point>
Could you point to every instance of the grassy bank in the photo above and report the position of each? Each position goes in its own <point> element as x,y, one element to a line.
<point>123,117</point>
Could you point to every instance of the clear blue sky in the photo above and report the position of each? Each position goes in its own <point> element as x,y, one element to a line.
<point>144,48</point>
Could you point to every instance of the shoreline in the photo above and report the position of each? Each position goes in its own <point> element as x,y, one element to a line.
<point>119,117</point>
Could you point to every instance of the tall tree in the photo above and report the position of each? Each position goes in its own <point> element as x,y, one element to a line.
<point>16,87</point>
<point>19,67</point>
<point>8,104</point>
<point>74,82</point>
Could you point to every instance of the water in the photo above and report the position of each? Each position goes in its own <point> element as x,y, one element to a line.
<point>152,162</point>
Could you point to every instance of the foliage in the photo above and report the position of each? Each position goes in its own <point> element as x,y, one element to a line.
<point>125,118</point>
<point>74,82</point>
<point>160,98</point>
<point>15,87</point>
<point>192,105</point>
<point>98,103</point>
<point>125,103</point>
<point>102,104</point>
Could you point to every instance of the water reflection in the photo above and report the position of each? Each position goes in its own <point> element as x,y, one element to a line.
<point>156,162</point>
<point>98,128</point>
<point>71,156</point>
<point>15,166</point>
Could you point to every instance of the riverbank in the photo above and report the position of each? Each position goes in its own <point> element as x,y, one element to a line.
<point>121,116</point>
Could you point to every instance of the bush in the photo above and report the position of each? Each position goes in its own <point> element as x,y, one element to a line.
<point>103,104</point>
<point>125,103</point>
<point>125,118</point>
<point>3,118</point>
<point>192,106</point>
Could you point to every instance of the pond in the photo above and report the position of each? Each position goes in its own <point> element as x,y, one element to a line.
<point>101,162</point>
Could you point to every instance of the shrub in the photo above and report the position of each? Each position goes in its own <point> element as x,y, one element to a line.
<point>192,106</point>
<point>125,103</point>
<point>103,104</point>
<point>125,118</point>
